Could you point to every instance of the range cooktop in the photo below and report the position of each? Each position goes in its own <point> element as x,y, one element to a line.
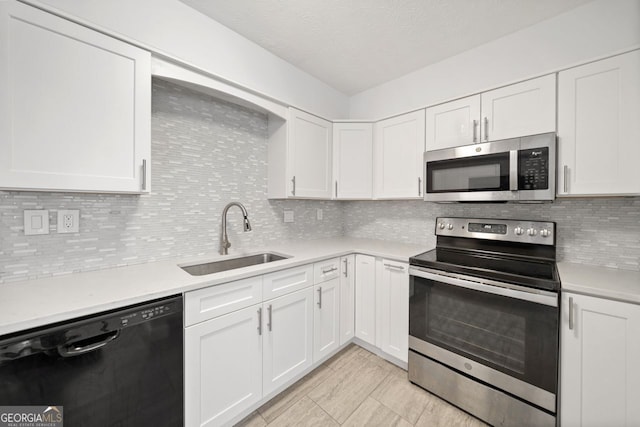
<point>515,252</point>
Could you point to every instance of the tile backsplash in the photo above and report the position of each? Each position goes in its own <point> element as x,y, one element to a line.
<point>206,153</point>
<point>598,231</point>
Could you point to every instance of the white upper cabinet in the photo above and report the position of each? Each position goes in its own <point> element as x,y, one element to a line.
<point>526,108</point>
<point>398,151</point>
<point>521,109</point>
<point>353,160</point>
<point>600,349</point>
<point>299,158</point>
<point>75,106</point>
<point>599,127</point>
<point>454,123</point>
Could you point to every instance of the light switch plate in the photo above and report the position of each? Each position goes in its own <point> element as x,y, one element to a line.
<point>288,215</point>
<point>36,222</point>
<point>68,221</point>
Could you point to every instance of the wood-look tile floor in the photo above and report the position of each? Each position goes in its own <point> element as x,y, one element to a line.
<point>358,388</point>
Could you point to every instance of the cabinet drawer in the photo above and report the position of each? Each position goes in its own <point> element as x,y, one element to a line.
<point>217,300</point>
<point>326,270</point>
<point>286,281</point>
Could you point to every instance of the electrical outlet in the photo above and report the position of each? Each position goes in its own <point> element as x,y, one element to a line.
<point>319,214</point>
<point>68,221</point>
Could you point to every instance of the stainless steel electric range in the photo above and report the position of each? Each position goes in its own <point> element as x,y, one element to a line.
<point>484,319</point>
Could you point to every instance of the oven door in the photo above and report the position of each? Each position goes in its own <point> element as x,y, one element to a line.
<point>483,172</point>
<point>504,335</point>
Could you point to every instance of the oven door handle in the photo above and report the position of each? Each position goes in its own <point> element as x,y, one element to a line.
<point>507,290</point>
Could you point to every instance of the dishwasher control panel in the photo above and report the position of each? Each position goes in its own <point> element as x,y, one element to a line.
<point>148,313</point>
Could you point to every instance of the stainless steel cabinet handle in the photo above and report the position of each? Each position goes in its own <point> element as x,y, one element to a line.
<point>475,131</point>
<point>269,324</point>
<point>320,297</point>
<point>570,313</point>
<point>419,186</point>
<point>336,188</point>
<point>293,181</point>
<point>486,128</point>
<point>144,174</point>
<point>346,267</point>
<point>395,267</point>
<point>260,321</point>
<point>566,178</point>
<point>329,270</point>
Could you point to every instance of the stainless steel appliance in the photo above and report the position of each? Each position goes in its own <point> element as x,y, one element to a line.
<point>118,368</point>
<point>519,169</point>
<point>484,319</point>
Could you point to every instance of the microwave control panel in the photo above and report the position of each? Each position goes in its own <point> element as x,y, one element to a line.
<point>533,169</point>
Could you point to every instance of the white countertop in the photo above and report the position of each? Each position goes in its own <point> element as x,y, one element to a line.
<point>612,283</point>
<point>34,303</point>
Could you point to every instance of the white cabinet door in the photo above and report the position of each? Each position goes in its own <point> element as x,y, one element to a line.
<point>222,367</point>
<point>326,318</point>
<point>598,127</point>
<point>347,298</point>
<point>392,318</point>
<point>453,124</point>
<point>288,338</point>
<point>521,109</point>
<point>353,160</point>
<point>75,106</point>
<point>366,298</point>
<point>398,152</point>
<point>309,155</point>
<point>600,350</point>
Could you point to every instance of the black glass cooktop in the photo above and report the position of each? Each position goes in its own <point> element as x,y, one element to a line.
<point>525,271</point>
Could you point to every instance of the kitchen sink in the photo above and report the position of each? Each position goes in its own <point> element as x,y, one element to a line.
<point>231,263</point>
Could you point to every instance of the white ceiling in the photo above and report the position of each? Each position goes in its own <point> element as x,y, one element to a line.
<point>353,45</point>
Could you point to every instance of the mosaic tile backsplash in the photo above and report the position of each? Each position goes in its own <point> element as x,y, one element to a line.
<point>602,232</point>
<point>207,152</point>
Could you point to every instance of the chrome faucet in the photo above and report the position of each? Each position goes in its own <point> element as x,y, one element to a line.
<point>225,244</point>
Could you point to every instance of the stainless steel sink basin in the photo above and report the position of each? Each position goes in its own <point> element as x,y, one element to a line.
<point>231,263</point>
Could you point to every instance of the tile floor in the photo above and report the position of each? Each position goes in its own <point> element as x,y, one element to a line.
<point>357,388</point>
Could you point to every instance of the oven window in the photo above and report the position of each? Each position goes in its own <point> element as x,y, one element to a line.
<point>517,337</point>
<point>478,173</point>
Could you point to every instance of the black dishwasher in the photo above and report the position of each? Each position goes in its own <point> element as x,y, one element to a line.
<point>117,368</point>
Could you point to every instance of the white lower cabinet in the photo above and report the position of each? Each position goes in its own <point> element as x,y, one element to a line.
<point>223,367</point>
<point>326,318</point>
<point>347,298</point>
<point>392,311</point>
<point>600,350</point>
<point>366,298</point>
<point>288,338</point>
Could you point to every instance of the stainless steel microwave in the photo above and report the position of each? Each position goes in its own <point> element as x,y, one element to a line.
<point>519,169</point>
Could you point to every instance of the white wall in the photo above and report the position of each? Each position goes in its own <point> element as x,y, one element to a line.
<point>171,27</point>
<point>593,30</point>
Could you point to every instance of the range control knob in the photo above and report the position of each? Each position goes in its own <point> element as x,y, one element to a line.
<point>532,232</point>
<point>545,233</point>
<point>518,231</point>
<point>441,226</point>
<point>450,226</point>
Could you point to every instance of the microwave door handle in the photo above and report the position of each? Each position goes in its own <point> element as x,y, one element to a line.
<point>513,170</point>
